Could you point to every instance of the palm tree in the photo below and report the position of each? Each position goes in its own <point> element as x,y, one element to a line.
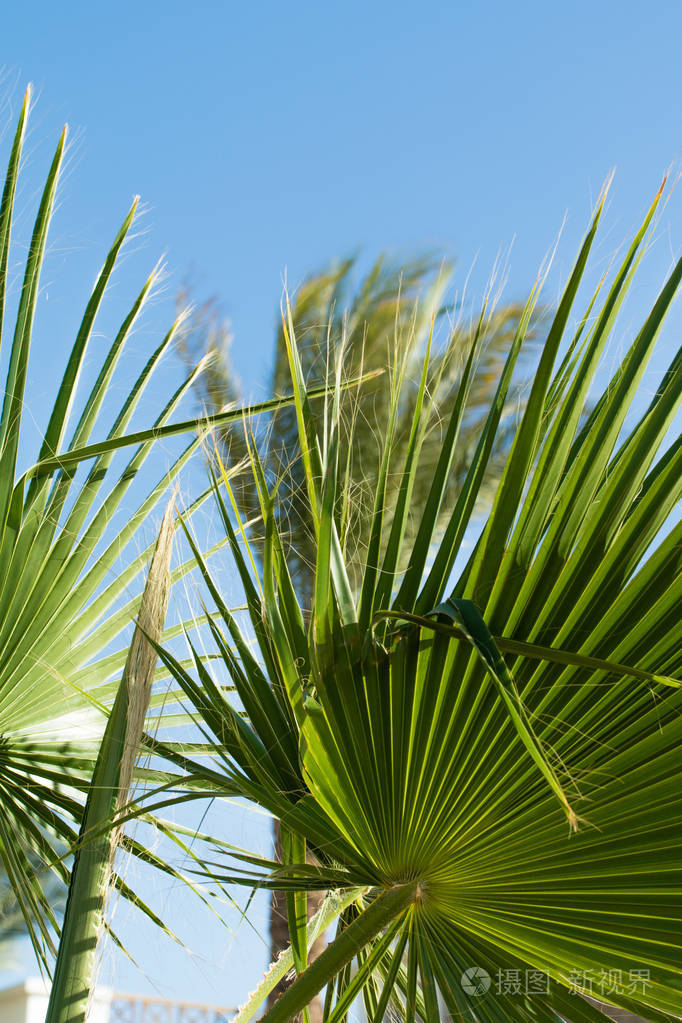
<point>69,568</point>
<point>483,760</point>
<point>391,307</point>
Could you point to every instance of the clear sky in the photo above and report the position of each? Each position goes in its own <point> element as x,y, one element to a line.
<point>272,137</point>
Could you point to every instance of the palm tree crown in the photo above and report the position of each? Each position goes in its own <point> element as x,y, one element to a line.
<point>482,766</point>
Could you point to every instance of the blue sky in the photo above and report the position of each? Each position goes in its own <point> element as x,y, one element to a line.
<point>269,138</point>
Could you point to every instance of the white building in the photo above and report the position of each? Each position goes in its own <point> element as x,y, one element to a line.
<point>27,1003</point>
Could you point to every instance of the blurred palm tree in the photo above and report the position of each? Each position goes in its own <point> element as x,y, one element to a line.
<point>371,319</point>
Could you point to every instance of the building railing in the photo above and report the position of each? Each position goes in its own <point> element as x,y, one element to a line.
<point>127,1008</point>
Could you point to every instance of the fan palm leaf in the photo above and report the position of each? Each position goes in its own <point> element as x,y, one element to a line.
<point>494,816</point>
<point>371,320</point>
<point>69,584</point>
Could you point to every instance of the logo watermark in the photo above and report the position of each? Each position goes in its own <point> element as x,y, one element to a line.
<point>476,981</point>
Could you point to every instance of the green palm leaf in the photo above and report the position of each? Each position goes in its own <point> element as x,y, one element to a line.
<point>70,562</point>
<point>108,793</point>
<point>515,814</point>
<point>387,319</point>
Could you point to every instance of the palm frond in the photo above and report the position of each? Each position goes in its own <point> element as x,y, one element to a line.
<point>70,562</point>
<point>505,814</point>
<point>379,323</point>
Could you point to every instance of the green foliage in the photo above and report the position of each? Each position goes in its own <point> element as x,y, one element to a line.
<point>374,320</point>
<point>108,794</point>
<point>517,813</point>
<point>69,584</point>
<point>12,922</point>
